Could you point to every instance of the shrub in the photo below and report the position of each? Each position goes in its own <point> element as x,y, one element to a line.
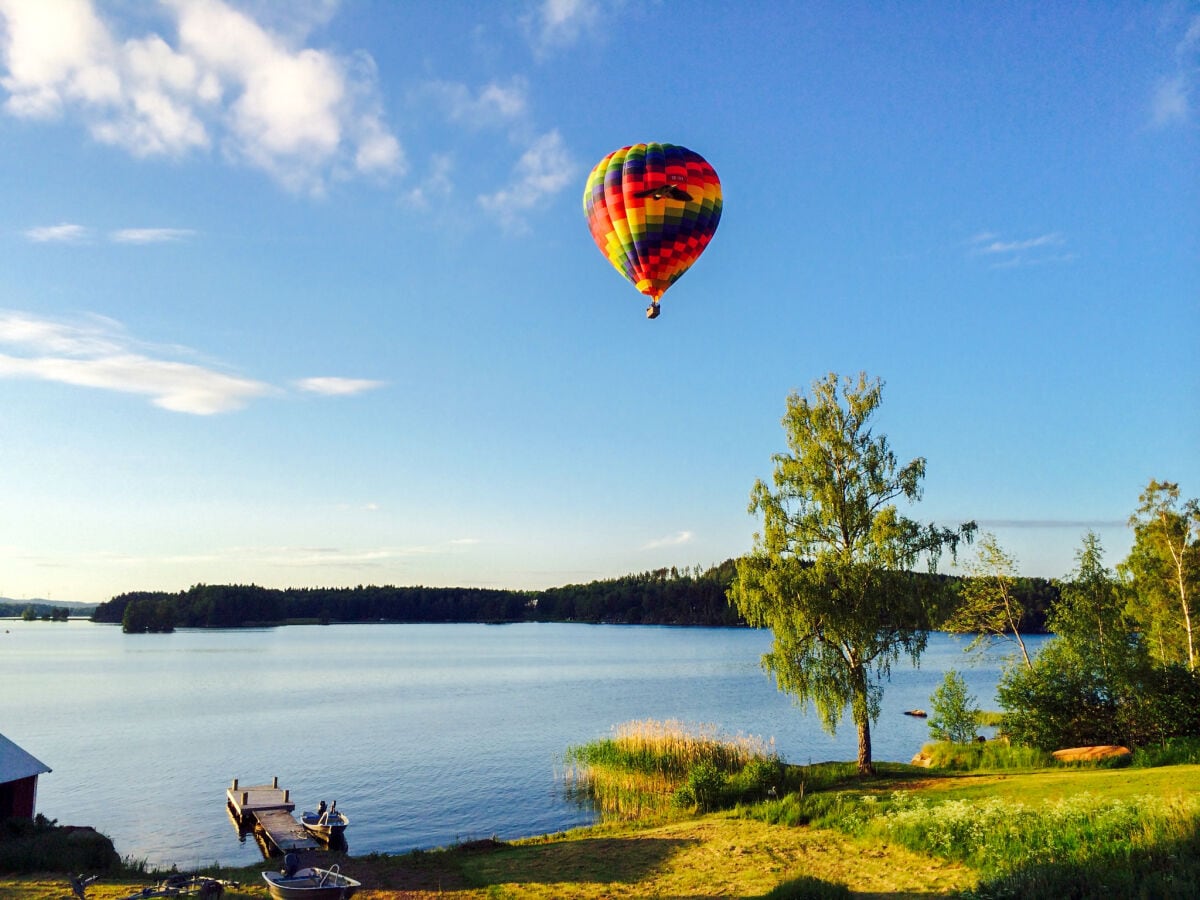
<point>807,888</point>
<point>702,788</point>
<point>955,712</point>
<point>40,845</point>
<point>987,756</point>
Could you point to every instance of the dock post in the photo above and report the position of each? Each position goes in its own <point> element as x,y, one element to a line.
<point>286,798</point>
<point>235,784</point>
<point>275,782</point>
<point>245,799</point>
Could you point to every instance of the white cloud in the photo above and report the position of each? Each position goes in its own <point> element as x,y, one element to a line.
<point>557,24</point>
<point>96,352</point>
<point>66,233</point>
<point>149,235</point>
<point>543,170</point>
<point>337,387</point>
<point>300,114</point>
<point>674,540</point>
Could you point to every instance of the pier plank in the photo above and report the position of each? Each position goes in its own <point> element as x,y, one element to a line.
<point>269,809</point>
<point>284,831</point>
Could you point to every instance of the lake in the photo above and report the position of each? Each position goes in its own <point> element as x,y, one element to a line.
<point>424,734</point>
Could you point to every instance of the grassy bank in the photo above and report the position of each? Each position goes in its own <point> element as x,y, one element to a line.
<point>1052,833</point>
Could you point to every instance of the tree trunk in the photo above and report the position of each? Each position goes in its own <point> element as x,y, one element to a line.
<point>865,766</point>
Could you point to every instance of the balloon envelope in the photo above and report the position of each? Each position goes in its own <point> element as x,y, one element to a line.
<point>652,209</point>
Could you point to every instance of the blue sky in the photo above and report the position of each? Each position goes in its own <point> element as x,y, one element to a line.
<point>302,294</point>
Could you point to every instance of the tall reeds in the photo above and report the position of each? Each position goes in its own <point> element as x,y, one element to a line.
<point>648,766</point>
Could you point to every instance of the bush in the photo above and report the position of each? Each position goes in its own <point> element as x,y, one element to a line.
<point>1178,751</point>
<point>955,712</point>
<point>702,788</point>
<point>40,845</point>
<point>807,888</point>
<point>990,756</point>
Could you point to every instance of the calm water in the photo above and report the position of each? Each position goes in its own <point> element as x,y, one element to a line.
<point>424,734</point>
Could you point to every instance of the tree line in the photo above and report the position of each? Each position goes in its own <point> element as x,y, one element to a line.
<point>667,596</point>
<point>32,611</point>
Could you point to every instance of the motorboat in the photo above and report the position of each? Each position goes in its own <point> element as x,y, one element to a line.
<point>327,824</point>
<point>312,882</point>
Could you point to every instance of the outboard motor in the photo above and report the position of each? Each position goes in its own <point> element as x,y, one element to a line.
<point>291,863</point>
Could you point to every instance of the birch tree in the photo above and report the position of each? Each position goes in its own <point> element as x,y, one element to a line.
<point>831,571</point>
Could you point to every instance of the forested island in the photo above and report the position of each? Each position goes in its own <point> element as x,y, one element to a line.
<point>659,597</point>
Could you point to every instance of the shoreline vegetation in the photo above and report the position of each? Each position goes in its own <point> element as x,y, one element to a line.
<point>692,812</point>
<point>660,597</point>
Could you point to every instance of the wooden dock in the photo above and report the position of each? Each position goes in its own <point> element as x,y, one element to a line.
<point>268,808</point>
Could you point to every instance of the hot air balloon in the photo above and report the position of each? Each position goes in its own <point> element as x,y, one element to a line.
<point>652,209</point>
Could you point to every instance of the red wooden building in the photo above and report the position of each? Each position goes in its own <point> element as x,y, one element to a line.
<point>18,781</point>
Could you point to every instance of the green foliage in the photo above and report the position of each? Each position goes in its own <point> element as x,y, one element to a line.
<point>703,788</point>
<point>1055,703</point>
<point>663,597</point>
<point>1177,751</point>
<point>148,614</point>
<point>40,845</point>
<point>988,602</point>
<point>830,572</point>
<point>955,712</point>
<point>1090,619</point>
<point>649,767</point>
<point>807,888</point>
<point>1163,572</point>
<point>988,756</point>
<point>996,836</point>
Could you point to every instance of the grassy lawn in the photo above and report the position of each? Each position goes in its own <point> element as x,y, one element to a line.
<point>721,854</point>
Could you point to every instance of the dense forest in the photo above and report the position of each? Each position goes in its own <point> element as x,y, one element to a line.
<point>660,597</point>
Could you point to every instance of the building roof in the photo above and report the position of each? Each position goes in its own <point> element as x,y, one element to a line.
<point>16,764</point>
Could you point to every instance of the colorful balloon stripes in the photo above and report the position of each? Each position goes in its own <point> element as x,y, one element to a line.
<point>652,209</point>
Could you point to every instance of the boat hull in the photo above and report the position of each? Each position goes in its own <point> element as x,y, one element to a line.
<point>306,884</point>
<point>328,828</point>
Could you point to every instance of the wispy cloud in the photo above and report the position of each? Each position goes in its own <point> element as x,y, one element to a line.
<point>1169,105</point>
<point>493,105</point>
<point>337,387</point>
<point>557,24</point>
<point>673,540</point>
<point>1071,524</point>
<point>221,81</point>
<point>66,233</point>
<point>989,244</point>
<point>1008,253</point>
<point>543,170</point>
<point>149,235</point>
<point>71,233</point>
<point>1171,101</point>
<point>96,352</point>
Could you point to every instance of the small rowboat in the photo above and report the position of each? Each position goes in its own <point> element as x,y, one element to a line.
<point>327,824</point>
<point>305,884</point>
